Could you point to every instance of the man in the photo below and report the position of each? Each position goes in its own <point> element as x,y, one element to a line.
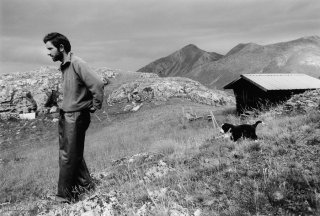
<point>82,94</point>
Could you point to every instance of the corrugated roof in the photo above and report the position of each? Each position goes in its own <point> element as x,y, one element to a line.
<point>290,81</point>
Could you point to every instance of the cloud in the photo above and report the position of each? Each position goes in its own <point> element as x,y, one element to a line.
<point>129,34</point>
<point>22,50</point>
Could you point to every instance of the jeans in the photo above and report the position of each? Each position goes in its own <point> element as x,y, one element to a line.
<point>74,175</point>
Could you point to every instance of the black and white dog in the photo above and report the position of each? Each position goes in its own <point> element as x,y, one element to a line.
<point>238,131</point>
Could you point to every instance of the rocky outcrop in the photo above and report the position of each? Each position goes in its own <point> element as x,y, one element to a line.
<point>161,89</point>
<point>302,103</point>
<point>37,90</point>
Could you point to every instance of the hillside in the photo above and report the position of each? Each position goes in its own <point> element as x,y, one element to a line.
<point>156,162</point>
<point>298,56</point>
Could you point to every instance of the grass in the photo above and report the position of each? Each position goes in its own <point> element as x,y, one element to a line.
<point>277,175</point>
<point>30,172</point>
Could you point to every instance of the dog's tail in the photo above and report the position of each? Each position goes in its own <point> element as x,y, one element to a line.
<point>256,124</point>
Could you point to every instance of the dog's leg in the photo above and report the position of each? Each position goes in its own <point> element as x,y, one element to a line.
<point>254,136</point>
<point>236,136</point>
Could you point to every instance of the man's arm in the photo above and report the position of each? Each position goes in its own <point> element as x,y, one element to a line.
<point>93,83</point>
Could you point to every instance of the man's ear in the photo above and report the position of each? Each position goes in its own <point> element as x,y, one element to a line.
<point>61,48</point>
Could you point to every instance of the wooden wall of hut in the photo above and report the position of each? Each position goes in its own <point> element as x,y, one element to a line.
<point>249,96</point>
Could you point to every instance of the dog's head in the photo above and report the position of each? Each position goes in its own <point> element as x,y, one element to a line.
<point>226,127</point>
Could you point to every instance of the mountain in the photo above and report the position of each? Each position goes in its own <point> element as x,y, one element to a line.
<point>297,56</point>
<point>181,62</point>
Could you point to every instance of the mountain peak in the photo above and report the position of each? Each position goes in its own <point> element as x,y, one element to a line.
<point>190,47</point>
<point>241,46</point>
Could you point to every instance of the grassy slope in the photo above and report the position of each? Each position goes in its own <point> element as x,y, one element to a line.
<point>29,171</point>
<point>277,174</point>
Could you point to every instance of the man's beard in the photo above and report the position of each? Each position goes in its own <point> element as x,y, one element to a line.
<point>58,57</point>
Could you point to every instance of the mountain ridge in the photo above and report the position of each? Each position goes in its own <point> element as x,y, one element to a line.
<point>301,55</point>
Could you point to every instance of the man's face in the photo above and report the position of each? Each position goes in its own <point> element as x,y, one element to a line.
<point>54,52</point>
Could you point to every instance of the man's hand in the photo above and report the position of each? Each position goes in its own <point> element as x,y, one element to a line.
<point>92,109</point>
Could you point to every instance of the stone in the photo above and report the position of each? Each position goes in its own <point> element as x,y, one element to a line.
<point>158,171</point>
<point>128,108</point>
<point>137,107</point>
<point>177,210</point>
<point>53,109</point>
<point>89,213</point>
<point>197,212</point>
<point>27,116</point>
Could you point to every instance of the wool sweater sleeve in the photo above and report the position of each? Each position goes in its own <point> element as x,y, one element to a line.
<point>92,81</point>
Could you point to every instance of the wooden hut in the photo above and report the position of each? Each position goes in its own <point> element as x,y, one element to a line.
<point>257,90</point>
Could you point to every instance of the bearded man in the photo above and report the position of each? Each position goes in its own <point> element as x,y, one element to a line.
<point>82,95</point>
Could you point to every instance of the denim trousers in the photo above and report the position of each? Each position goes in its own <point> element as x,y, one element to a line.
<point>74,175</point>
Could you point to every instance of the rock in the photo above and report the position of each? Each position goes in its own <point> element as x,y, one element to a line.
<point>145,209</point>
<point>190,116</point>
<point>128,107</point>
<point>158,171</point>
<point>55,115</point>
<point>53,109</point>
<point>197,212</point>
<point>89,213</point>
<point>96,204</point>
<point>161,89</point>
<point>37,90</point>
<point>137,107</point>
<point>302,103</point>
<point>27,116</point>
<point>177,210</point>
<point>277,196</point>
<point>138,159</point>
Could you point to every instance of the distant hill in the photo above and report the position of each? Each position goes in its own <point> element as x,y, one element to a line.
<point>298,56</point>
<point>181,62</point>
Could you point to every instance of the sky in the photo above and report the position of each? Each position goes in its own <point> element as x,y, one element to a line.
<point>129,34</point>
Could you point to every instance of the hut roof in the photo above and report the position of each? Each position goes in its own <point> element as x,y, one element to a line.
<point>277,81</point>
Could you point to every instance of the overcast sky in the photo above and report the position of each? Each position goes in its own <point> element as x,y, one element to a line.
<point>128,34</point>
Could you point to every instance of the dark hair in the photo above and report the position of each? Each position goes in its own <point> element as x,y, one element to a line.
<point>56,39</point>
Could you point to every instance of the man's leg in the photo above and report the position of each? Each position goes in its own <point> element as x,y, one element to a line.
<point>84,181</point>
<point>83,178</point>
<point>64,182</point>
<point>71,144</point>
